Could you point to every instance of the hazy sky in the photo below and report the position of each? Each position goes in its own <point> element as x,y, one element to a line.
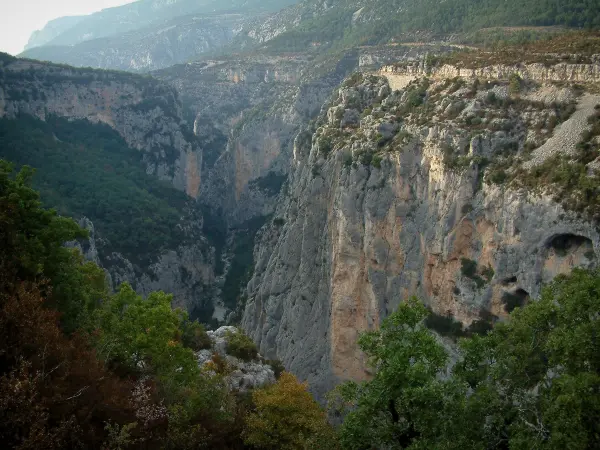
<point>19,18</point>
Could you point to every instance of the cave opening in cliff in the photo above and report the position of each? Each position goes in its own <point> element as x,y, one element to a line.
<point>517,298</point>
<point>564,244</point>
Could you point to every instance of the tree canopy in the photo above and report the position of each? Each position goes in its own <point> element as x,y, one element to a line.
<point>531,382</point>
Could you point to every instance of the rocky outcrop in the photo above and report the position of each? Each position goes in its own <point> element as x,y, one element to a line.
<point>241,376</point>
<point>394,202</point>
<point>399,76</point>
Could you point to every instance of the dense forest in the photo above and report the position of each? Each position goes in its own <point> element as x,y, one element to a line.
<point>386,20</point>
<point>88,170</point>
<point>83,368</point>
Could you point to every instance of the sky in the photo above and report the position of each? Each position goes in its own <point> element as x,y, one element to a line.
<point>19,18</point>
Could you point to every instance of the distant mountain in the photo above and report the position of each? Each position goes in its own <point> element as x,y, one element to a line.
<point>52,29</point>
<point>146,35</point>
<point>153,34</point>
<point>322,24</point>
<point>157,46</point>
<point>140,14</point>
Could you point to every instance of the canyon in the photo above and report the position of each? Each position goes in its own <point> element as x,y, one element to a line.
<point>324,187</point>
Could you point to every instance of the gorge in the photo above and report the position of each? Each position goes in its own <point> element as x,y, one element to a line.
<point>302,169</point>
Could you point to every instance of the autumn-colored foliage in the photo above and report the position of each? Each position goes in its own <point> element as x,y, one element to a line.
<point>53,389</point>
<point>287,417</point>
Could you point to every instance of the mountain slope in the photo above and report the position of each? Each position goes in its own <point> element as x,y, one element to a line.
<point>147,35</point>
<point>51,30</point>
<point>116,149</point>
<point>154,47</point>
<point>139,14</point>
<point>345,23</point>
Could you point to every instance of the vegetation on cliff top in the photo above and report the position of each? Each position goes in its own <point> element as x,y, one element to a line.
<point>567,47</point>
<point>385,20</point>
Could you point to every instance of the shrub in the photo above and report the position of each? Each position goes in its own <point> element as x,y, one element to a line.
<point>469,270</point>
<point>241,346</point>
<point>488,273</point>
<point>354,79</point>
<point>512,301</point>
<point>468,267</point>
<point>287,417</point>
<point>444,325</point>
<point>347,160</point>
<point>277,367</point>
<point>514,84</point>
<point>480,326</point>
<point>325,145</point>
<point>278,222</point>
<point>194,336</point>
<point>376,161</point>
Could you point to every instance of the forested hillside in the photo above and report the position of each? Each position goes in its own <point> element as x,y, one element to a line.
<point>83,368</point>
<point>349,23</point>
<point>87,170</point>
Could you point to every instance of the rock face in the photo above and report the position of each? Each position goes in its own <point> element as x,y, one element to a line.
<point>401,76</point>
<point>146,113</point>
<point>394,203</point>
<point>248,111</point>
<point>187,271</point>
<point>243,376</point>
<point>149,117</point>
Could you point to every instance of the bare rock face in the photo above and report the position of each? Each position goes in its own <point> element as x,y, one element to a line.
<point>242,375</point>
<point>400,76</point>
<point>248,111</point>
<point>401,204</point>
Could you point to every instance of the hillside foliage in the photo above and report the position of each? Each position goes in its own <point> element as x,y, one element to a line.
<point>385,20</point>
<point>133,212</point>
<point>531,382</point>
<point>83,368</point>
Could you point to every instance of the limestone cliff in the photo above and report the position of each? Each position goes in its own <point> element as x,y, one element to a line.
<point>395,193</point>
<point>400,76</point>
<point>146,113</point>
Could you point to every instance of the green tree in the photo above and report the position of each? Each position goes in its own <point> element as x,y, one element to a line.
<point>402,403</point>
<point>33,249</point>
<point>144,335</point>
<point>537,376</point>
<point>532,382</point>
<point>287,417</point>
